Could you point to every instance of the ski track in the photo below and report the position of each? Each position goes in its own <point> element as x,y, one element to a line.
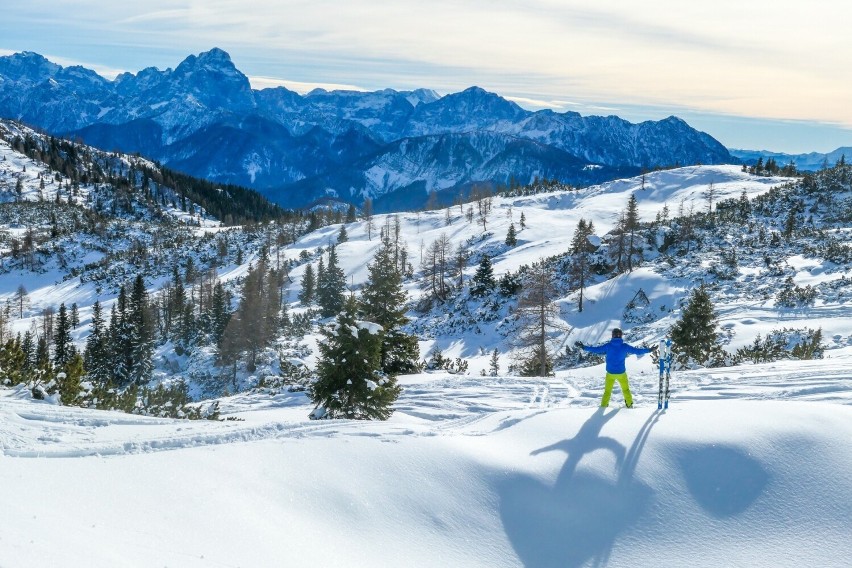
<point>442,405</point>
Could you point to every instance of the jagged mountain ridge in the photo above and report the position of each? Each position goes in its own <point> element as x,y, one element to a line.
<point>204,118</point>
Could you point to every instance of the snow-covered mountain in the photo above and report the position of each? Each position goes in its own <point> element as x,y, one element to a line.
<point>203,118</point>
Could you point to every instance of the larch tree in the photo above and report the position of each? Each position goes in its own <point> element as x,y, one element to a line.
<point>538,316</point>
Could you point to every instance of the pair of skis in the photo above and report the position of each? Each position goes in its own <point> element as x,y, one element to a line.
<point>665,354</point>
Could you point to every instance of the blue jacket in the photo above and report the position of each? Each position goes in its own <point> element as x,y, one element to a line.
<point>616,352</point>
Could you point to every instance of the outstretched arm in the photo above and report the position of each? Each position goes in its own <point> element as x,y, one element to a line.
<point>599,349</point>
<point>636,350</point>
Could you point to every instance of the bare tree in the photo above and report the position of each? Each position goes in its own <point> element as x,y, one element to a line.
<point>710,195</point>
<point>21,299</point>
<point>436,268</point>
<point>539,317</point>
<point>367,215</point>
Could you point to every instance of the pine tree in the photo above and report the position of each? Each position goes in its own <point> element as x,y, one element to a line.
<point>28,348</point>
<point>580,250</point>
<point>62,345</point>
<point>523,221</point>
<point>483,281</point>
<point>383,301</point>
<point>350,382</point>
<point>75,316</point>
<point>694,336</point>
<point>70,378</point>
<point>631,226</point>
<point>306,294</point>
<point>141,334</point>
<point>97,360</point>
<point>220,312</point>
<point>120,358</point>
<point>537,364</point>
<point>43,369</point>
<point>330,291</point>
<point>511,236</point>
<point>494,364</point>
<point>342,236</point>
<point>14,369</point>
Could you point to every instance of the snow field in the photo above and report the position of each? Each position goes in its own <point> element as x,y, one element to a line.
<point>484,477</point>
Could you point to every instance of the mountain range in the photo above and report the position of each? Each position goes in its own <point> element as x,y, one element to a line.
<point>811,161</point>
<point>394,147</point>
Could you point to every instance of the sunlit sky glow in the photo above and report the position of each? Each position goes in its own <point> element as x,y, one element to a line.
<point>757,74</point>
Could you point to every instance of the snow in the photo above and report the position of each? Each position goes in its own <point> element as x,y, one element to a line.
<point>748,467</point>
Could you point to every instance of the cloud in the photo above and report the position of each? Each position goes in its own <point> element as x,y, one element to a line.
<point>258,82</point>
<point>746,58</point>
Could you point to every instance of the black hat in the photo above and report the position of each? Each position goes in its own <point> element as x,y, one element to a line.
<point>616,332</point>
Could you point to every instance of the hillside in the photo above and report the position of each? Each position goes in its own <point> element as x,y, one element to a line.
<point>481,467</point>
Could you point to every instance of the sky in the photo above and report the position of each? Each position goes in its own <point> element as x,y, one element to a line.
<point>761,74</point>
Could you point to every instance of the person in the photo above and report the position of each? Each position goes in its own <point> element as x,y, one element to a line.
<point>616,351</point>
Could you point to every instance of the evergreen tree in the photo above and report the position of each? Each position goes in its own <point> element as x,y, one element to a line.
<point>75,316</point>
<point>511,236</point>
<point>350,214</point>
<point>176,308</point>
<point>220,312</point>
<point>121,363</point>
<point>330,291</point>
<point>631,226</point>
<point>350,382</point>
<point>694,336</point>
<point>97,360</point>
<point>306,294</point>
<point>383,301</point>
<point>43,371</point>
<point>523,221</point>
<point>537,364</point>
<point>580,250</point>
<point>62,346</point>
<point>494,363</point>
<point>28,347</point>
<point>14,369</point>
<point>483,281</point>
<point>342,236</point>
<point>141,334</point>
<point>69,380</point>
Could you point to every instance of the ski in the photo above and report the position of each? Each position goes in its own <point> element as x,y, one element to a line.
<point>665,355</point>
<point>668,371</point>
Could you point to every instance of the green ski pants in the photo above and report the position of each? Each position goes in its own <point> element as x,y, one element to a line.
<point>625,389</point>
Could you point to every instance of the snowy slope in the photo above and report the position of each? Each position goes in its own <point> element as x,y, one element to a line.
<point>551,219</point>
<point>749,467</point>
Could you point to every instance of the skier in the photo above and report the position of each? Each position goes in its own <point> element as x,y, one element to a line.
<point>616,351</point>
